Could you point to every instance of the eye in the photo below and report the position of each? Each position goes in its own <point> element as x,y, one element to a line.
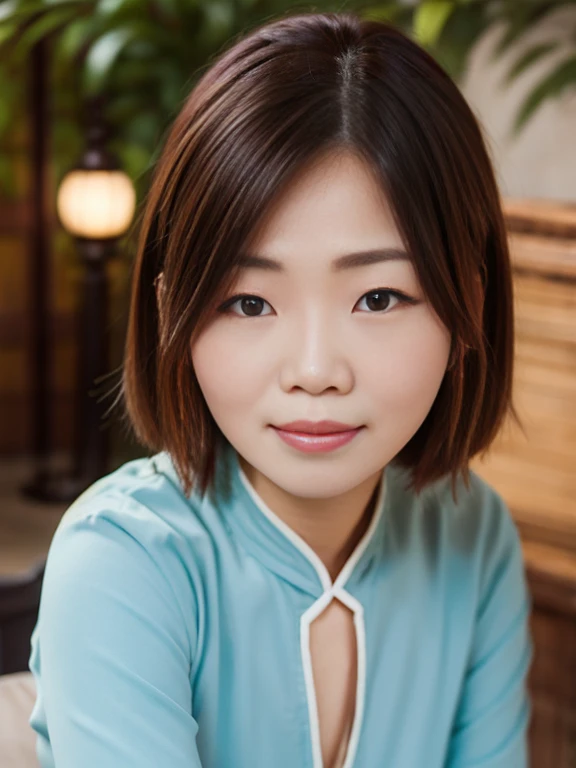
<point>381,301</point>
<point>252,304</point>
<point>248,302</point>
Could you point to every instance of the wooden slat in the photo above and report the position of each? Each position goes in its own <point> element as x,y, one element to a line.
<point>538,254</point>
<point>536,495</point>
<point>546,217</point>
<point>543,558</point>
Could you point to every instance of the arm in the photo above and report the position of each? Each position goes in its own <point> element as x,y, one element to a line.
<point>490,729</point>
<point>114,650</point>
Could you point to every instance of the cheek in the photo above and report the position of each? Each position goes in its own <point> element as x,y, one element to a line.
<point>415,365</point>
<point>227,375</point>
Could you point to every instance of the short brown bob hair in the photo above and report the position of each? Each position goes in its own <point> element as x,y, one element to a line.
<point>301,86</point>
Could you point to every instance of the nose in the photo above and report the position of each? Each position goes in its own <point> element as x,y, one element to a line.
<point>318,357</point>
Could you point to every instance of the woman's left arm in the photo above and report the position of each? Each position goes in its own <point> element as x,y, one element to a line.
<point>491,724</point>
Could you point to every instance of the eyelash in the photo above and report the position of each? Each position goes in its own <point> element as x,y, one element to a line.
<point>403,298</point>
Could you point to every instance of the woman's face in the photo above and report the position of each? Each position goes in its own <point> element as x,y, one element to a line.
<point>323,343</point>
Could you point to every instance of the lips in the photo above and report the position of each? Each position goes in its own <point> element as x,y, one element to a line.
<point>320,442</point>
<point>325,427</point>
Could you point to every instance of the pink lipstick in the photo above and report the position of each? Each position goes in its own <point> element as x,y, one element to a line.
<point>316,442</point>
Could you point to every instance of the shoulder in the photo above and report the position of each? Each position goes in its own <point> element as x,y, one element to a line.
<point>133,531</point>
<point>121,594</point>
<point>477,513</point>
<point>471,534</point>
<point>480,535</point>
<point>476,519</point>
<point>479,521</point>
<point>138,499</point>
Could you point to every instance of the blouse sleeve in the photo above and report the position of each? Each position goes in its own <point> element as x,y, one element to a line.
<point>490,728</point>
<point>114,653</point>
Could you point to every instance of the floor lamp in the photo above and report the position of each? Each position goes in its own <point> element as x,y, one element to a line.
<point>95,204</point>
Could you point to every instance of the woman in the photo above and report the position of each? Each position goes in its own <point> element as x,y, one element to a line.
<point>323,241</point>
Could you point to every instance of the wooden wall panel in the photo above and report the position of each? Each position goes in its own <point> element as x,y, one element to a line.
<point>536,472</point>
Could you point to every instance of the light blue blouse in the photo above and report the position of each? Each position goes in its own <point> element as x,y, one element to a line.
<point>173,632</point>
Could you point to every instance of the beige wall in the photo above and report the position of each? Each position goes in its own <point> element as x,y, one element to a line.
<point>541,162</point>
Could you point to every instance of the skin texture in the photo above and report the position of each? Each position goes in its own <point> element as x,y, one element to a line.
<point>317,347</point>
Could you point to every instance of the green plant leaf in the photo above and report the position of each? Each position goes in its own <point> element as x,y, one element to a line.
<point>59,3</point>
<point>7,9</point>
<point>74,38</point>
<point>7,33</point>
<point>525,61</point>
<point>14,22</point>
<point>19,11</point>
<point>48,23</point>
<point>519,18</point>
<point>113,13</point>
<point>173,10</point>
<point>429,20</point>
<point>563,76</point>
<point>109,7</point>
<point>463,28</point>
<point>383,11</point>
<point>102,56</point>
<point>218,22</point>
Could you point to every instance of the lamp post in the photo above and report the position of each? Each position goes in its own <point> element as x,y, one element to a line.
<point>95,203</point>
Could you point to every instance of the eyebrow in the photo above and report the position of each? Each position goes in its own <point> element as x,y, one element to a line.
<point>347,261</point>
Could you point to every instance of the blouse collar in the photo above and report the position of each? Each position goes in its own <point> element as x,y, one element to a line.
<point>271,541</point>
<point>278,547</point>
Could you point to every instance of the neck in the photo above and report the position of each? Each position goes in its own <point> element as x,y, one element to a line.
<point>334,536</point>
<point>331,527</point>
<point>335,561</point>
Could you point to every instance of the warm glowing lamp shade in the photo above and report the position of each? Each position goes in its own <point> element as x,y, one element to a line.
<point>96,204</point>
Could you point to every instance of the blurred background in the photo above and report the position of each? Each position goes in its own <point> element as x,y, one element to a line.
<point>88,89</point>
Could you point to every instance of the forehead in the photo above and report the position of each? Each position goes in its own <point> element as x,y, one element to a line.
<point>333,211</point>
